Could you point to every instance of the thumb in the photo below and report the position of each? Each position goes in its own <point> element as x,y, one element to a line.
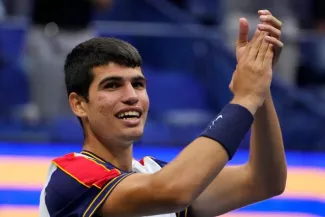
<point>243,33</point>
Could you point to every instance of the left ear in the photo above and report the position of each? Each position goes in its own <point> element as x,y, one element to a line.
<point>78,105</point>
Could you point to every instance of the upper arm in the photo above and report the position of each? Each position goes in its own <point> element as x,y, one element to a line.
<point>135,196</point>
<point>231,189</point>
<point>142,195</point>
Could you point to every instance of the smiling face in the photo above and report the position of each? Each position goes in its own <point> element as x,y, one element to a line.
<point>107,91</point>
<point>117,105</point>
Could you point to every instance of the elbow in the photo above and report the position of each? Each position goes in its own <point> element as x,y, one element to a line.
<point>270,186</point>
<point>274,190</point>
<point>266,191</point>
<point>278,187</point>
<point>274,187</point>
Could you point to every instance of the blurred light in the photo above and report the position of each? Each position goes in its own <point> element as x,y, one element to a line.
<point>51,29</point>
<point>15,211</point>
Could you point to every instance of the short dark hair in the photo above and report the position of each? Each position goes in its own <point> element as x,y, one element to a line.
<point>92,53</point>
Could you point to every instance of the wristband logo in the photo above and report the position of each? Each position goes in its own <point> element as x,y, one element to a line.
<point>219,117</point>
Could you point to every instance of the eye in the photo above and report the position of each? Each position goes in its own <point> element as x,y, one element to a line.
<point>111,85</point>
<point>138,85</point>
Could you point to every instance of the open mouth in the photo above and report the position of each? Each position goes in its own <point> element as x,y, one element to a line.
<point>129,115</point>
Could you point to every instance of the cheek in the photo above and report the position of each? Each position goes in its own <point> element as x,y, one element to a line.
<point>144,100</point>
<point>105,106</point>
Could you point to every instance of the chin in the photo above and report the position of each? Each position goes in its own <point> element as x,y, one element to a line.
<point>133,135</point>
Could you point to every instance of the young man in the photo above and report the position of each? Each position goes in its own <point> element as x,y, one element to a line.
<point>107,92</point>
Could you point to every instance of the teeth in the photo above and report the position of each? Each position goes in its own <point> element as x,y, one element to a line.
<point>130,113</point>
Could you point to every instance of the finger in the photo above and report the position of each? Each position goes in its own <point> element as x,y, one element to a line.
<point>276,33</point>
<point>243,32</point>
<point>250,44</point>
<point>274,41</point>
<point>272,21</point>
<point>256,46</point>
<point>255,36</point>
<point>264,12</point>
<point>262,51</point>
<point>268,57</point>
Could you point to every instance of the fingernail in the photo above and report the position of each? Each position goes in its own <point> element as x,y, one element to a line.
<point>260,26</point>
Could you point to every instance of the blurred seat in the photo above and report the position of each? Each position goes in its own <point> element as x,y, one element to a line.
<point>12,129</point>
<point>174,90</point>
<point>170,53</point>
<point>11,41</point>
<point>177,100</point>
<point>66,129</point>
<point>13,80</point>
<point>13,87</point>
<point>124,10</point>
<point>156,132</point>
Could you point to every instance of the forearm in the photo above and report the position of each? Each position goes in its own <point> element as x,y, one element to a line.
<point>262,177</point>
<point>267,158</point>
<point>193,169</point>
<point>201,161</point>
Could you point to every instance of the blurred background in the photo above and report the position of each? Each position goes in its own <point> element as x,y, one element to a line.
<point>188,52</point>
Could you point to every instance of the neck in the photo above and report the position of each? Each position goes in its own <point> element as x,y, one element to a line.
<point>119,155</point>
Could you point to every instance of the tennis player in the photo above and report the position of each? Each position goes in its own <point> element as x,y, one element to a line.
<point>107,92</point>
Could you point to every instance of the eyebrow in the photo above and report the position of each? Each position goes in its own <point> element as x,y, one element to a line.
<point>120,79</point>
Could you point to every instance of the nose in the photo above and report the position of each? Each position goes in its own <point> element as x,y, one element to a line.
<point>130,96</point>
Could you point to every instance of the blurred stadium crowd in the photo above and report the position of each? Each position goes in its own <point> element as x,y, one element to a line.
<point>188,52</point>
